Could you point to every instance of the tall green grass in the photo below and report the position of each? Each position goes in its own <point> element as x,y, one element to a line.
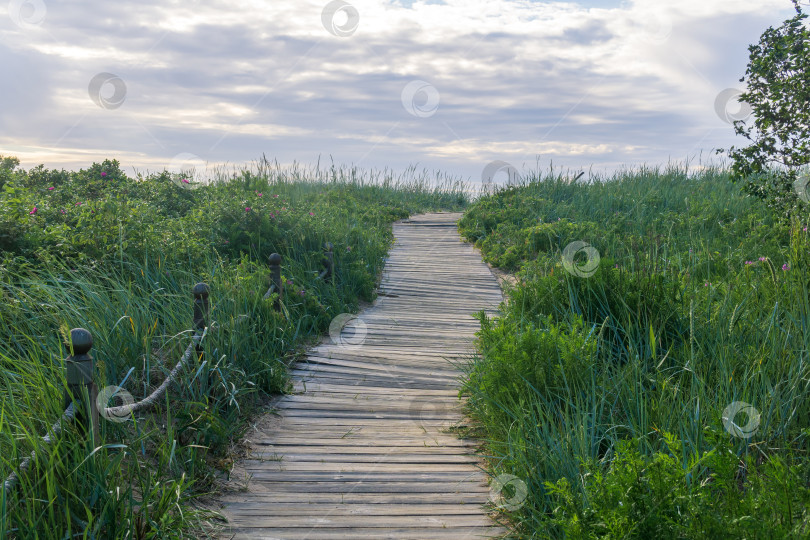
<point>118,256</point>
<point>606,394</point>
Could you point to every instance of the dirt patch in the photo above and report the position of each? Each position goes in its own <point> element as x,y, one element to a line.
<point>504,278</point>
<point>237,479</point>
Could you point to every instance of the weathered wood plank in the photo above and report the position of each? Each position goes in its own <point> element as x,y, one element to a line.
<point>353,521</point>
<point>384,486</point>
<point>351,455</point>
<point>419,500</point>
<point>393,468</point>
<point>312,438</point>
<point>362,533</point>
<point>314,509</point>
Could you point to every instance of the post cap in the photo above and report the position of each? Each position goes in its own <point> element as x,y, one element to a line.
<point>274,259</point>
<point>82,341</point>
<point>200,290</point>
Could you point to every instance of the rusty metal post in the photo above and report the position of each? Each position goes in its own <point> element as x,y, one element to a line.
<point>276,286</point>
<point>79,374</point>
<point>328,262</point>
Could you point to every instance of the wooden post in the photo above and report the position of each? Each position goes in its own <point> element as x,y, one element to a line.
<point>202,310</point>
<point>201,307</point>
<point>274,260</point>
<point>329,263</point>
<point>79,374</point>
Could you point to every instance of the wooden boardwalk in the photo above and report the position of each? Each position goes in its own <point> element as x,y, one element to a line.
<point>363,450</point>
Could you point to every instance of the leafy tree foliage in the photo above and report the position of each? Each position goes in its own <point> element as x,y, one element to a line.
<point>774,165</point>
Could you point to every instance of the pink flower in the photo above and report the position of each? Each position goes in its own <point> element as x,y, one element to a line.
<point>805,229</point>
<point>227,241</point>
<point>762,259</point>
<point>103,175</point>
<point>62,211</point>
<point>51,188</point>
<point>302,292</point>
<point>785,267</point>
<point>749,263</point>
<point>275,196</point>
<point>311,214</point>
<point>185,180</point>
<point>247,209</point>
<point>289,282</point>
<point>78,204</point>
<point>32,212</point>
<point>706,284</point>
<point>258,194</point>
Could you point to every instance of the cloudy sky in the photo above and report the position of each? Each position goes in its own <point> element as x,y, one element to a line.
<point>449,85</point>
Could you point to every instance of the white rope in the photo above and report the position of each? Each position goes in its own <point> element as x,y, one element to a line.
<point>270,291</point>
<point>56,429</point>
<point>126,410</point>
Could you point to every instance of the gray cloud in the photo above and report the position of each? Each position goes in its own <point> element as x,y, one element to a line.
<point>229,83</point>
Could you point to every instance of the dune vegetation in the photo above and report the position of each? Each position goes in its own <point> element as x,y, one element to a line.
<point>648,376</point>
<point>118,256</point>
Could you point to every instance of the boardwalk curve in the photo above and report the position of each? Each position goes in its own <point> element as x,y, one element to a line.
<point>362,449</point>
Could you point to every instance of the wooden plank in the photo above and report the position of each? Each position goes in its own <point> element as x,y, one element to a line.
<point>301,485</point>
<point>310,509</point>
<point>363,533</point>
<point>423,503</point>
<point>352,521</point>
<point>381,366</point>
<point>451,399</point>
<point>317,385</point>
<point>392,467</point>
<point>360,454</point>
<point>312,437</point>
<point>380,371</point>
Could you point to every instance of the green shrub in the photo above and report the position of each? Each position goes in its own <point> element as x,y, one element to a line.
<point>628,306</point>
<point>519,358</point>
<point>671,496</point>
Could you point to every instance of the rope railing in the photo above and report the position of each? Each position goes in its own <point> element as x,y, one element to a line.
<point>54,432</point>
<point>122,411</point>
<point>81,386</point>
<point>80,367</point>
